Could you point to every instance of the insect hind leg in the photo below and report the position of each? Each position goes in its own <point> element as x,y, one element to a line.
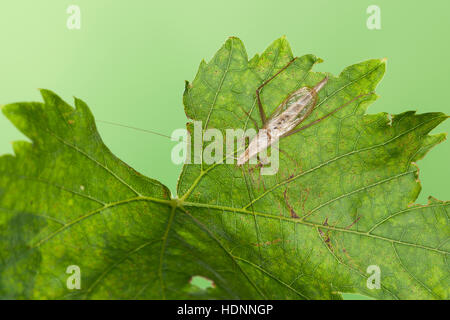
<point>326,116</point>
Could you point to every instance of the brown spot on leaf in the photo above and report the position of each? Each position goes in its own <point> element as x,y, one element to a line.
<point>291,210</point>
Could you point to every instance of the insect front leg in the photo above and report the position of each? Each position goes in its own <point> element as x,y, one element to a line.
<point>258,168</point>
<point>250,117</point>
<point>258,90</point>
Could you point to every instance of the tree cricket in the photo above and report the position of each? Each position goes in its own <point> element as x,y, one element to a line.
<point>295,109</point>
<point>283,122</point>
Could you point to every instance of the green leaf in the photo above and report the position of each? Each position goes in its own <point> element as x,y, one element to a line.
<point>342,200</point>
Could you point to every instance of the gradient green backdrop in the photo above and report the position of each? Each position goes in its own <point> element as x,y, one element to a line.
<point>131,57</point>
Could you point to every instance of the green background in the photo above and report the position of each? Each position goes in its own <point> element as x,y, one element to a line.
<point>130,59</point>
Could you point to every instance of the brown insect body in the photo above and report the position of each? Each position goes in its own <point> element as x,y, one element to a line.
<point>288,115</point>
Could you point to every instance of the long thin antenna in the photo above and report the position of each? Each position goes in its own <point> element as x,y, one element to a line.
<point>135,128</point>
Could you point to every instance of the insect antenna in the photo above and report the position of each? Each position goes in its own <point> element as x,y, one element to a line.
<point>135,128</point>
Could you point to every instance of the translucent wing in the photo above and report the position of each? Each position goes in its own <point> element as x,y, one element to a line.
<point>297,95</point>
<point>290,113</point>
<point>298,105</point>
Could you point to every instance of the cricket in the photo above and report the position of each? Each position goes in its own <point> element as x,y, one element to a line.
<point>294,110</point>
<point>286,117</point>
<point>283,121</point>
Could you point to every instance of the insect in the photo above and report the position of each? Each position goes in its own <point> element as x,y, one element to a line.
<point>287,116</point>
<point>283,122</point>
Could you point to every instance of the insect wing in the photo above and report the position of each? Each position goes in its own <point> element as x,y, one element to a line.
<point>301,102</point>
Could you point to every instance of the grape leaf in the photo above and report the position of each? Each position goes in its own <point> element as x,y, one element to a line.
<point>341,204</point>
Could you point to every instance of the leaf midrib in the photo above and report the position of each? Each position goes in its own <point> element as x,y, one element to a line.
<point>177,204</point>
<point>315,225</point>
<point>183,204</point>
